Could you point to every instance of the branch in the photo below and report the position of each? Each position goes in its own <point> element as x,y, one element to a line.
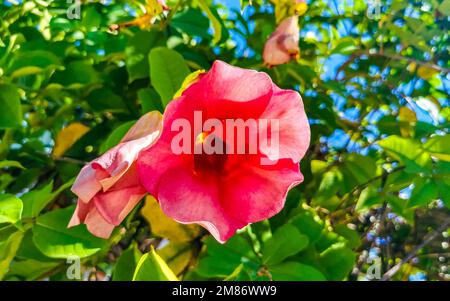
<point>411,60</point>
<point>428,238</point>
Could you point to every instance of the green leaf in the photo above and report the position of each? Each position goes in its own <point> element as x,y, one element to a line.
<point>444,191</point>
<point>345,46</point>
<point>37,199</point>
<point>368,198</point>
<point>444,7</point>
<point>295,271</point>
<point>10,209</point>
<point>7,163</point>
<point>55,240</point>
<point>407,151</point>
<point>309,225</point>
<point>9,243</point>
<point>216,22</point>
<point>425,191</point>
<point>104,99</point>
<point>31,269</point>
<point>337,261</point>
<point>32,62</point>
<point>28,249</point>
<point>351,236</point>
<point>192,22</point>
<point>151,267</point>
<point>137,50</point>
<point>116,136</point>
<point>168,70</point>
<point>126,264</point>
<point>150,100</point>
<point>11,112</point>
<point>285,242</point>
<point>439,147</point>
<point>222,260</point>
<point>77,73</point>
<point>399,206</point>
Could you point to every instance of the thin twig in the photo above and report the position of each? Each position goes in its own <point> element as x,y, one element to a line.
<point>411,60</point>
<point>428,238</point>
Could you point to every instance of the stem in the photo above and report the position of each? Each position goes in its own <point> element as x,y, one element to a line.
<point>428,238</point>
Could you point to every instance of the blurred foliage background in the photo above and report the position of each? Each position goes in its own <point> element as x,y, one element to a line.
<point>375,81</point>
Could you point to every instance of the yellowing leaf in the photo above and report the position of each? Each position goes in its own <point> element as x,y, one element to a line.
<point>426,72</point>
<point>406,117</point>
<point>151,267</point>
<point>67,137</point>
<point>299,9</point>
<point>177,256</point>
<point>153,7</point>
<point>189,80</point>
<point>216,24</point>
<point>163,226</point>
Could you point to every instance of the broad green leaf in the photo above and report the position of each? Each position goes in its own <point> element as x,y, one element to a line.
<point>168,70</point>
<point>444,191</point>
<point>337,261</point>
<point>214,18</point>
<point>425,191</point>
<point>368,198</point>
<point>28,249</point>
<point>31,269</point>
<point>150,100</point>
<point>151,267</point>
<point>439,147</point>
<point>408,152</point>
<point>192,22</point>
<point>10,209</point>
<point>137,50</point>
<point>32,62</point>
<point>444,7</point>
<point>309,224</point>
<point>37,199</point>
<point>8,163</point>
<point>399,206</point>
<point>285,242</point>
<point>126,264</point>
<point>222,259</point>
<point>116,136</point>
<point>351,236</point>
<point>11,112</point>
<point>104,99</point>
<point>54,239</point>
<point>295,271</point>
<point>77,74</point>
<point>345,46</point>
<point>9,243</point>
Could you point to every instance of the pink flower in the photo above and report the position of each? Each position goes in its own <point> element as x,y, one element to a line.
<point>225,192</point>
<point>282,45</point>
<point>108,188</point>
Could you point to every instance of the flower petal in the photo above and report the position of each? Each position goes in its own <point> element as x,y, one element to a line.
<point>154,162</point>
<point>254,193</point>
<point>232,92</point>
<point>115,204</point>
<point>190,199</point>
<point>286,106</point>
<point>97,225</point>
<point>104,172</point>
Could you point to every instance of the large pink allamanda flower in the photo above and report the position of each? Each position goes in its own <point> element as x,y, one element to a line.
<point>225,192</point>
